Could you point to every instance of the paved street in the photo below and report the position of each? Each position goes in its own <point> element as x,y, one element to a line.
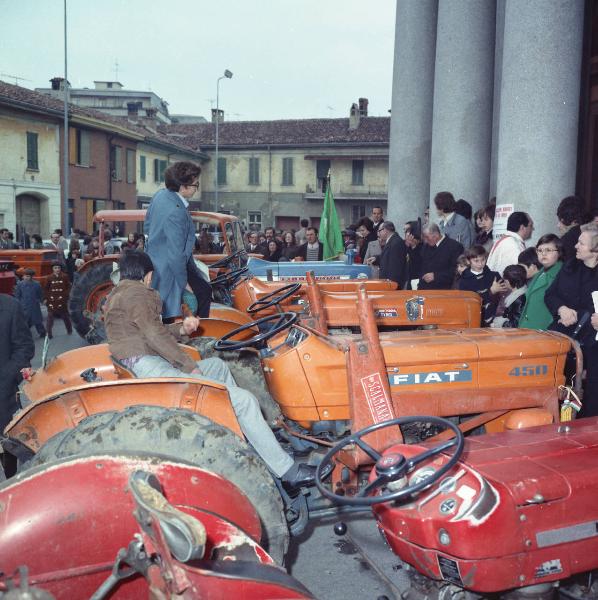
<point>329,566</point>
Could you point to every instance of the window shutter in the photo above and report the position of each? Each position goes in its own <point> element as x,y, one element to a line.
<point>85,148</point>
<point>72,146</point>
<point>156,170</point>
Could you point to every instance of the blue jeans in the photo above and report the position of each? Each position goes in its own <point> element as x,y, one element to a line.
<point>244,403</point>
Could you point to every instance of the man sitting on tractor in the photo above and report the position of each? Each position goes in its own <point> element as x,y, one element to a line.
<point>138,338</point>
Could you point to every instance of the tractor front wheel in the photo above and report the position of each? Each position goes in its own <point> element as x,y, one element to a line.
<point>179,434</point>
<point>88,295</point>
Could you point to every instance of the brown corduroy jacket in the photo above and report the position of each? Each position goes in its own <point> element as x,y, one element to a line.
<point>134,326</point>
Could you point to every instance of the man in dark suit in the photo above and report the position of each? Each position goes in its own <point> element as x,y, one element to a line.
<point>16,351</point>
<point>439,259</point>
<point>393,259</point>
<point>171,239</point>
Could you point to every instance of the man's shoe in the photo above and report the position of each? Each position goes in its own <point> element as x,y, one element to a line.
<point>305,477</point>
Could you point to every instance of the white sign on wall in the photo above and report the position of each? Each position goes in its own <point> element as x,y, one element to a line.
<point>500,219</point>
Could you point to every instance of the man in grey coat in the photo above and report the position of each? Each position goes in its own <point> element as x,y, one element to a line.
<point>171,239</point>
<point>451,224</point>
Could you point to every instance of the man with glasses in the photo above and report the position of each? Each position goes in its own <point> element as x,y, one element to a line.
<point>393,259</point>
<point>171,239</point>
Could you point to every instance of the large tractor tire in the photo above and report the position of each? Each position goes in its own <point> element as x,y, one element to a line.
<point>85,302</point>
<point>179,434</point>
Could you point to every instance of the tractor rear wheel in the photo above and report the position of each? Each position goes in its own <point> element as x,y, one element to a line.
<point>179,434</point>
<point>88,294</point>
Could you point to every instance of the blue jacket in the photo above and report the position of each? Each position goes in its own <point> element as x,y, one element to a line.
<point>458,228</point>
<point>171,238</point>
<point>30,295</point>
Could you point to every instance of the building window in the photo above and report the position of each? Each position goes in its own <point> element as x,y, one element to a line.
<point>287,171</point>
<point>142,168</point>
<point>322,170</point>
<point>221,179</point>
<point>254,220</point>
<point>79,147</point>
<point>357,211</point>
<point>130,166</point>
<point>357,172</point>
<point>159,168</point>
<point>70,224</point>
<point>254,171</point>
<point>32,162</point>
<point>116,163</point>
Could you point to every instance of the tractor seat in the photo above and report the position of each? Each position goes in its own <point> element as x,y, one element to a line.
<point>121,369</point>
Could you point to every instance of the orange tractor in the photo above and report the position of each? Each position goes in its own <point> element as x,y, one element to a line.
<point>94,281</point>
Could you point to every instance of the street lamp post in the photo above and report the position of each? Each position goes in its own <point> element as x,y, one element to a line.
<point>227,75</point>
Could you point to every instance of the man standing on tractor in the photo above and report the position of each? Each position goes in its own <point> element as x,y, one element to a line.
<point>171,239</point>
<point>138,338</point>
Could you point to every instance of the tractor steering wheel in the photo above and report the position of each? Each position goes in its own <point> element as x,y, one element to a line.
<point>229,278</point>
<point>224,262</point>
<point>392,467</point>
<point>273,298</point>
<point>282,321</point>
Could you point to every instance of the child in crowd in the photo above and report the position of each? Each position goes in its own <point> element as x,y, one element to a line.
<point>58,288</point>
<point>515,277</point>
<point>29,293</point>
<point>529,260</point>
<point>462,265</point>
<point>479,278</point>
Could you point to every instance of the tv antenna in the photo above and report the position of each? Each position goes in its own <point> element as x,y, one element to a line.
<point>15,77</point>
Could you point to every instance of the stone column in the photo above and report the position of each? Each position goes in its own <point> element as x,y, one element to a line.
<point>539,107</point>
<point>411,117</point>
<point>463,91</point>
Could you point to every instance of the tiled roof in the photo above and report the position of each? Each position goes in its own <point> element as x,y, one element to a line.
<point>304,132</point>
<point>45,103</point>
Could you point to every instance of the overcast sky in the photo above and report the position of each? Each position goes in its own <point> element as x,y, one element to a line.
<point>289,58</point>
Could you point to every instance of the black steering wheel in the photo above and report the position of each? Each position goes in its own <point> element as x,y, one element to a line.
<point>392,467</point>
<point>229,278</point>
<point>282,321</point>
<point>224,262</point>
<point>273,298</point>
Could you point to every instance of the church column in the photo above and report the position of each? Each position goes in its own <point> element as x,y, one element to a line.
<point>463,98</point>
<point>411,117</point>
<point>539,107</point>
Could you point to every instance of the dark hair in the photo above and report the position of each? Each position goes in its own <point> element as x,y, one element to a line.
<point>516,275</point>
<point>529,257</point>
<point>135,265</point>
<point>445,202</point>
<point>489,211</point>
<point>270,229</point>
<point>181,173</point>
<point>284,235</point>
<point>551,238</point>
<point>34,236</point>
<point>304,222</point>
<point>388,225</point>
<point>570,210</point>
<point>365,222</point>
<point>463,208</point>
<point>415,229</point>
<point>315,229</point>
<point>475,251</point>
<point>516,220</point>
<point>58,231</point>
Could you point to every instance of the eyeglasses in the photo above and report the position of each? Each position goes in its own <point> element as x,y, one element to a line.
<point>195,185</point>
<point>546,250</point>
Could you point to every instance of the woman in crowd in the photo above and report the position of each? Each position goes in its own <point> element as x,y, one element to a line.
<point>73,256</point>
<point>484,219</point>
<point>289,245</point>
<point>569,300</point>
<point>36,242</point>
<point>535,313</point>
<point>366,233</point>
<point>131,242</point>
<point>274,251</point>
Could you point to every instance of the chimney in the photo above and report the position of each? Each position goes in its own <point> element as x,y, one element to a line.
<point>217,115</point>
<point>363,107</point>
<point>354,116</point>
<point>57,83</point>
<point>133,110</point>
<point>150,113</point>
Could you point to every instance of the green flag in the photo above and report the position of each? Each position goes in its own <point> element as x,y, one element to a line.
<point>330,230</point>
